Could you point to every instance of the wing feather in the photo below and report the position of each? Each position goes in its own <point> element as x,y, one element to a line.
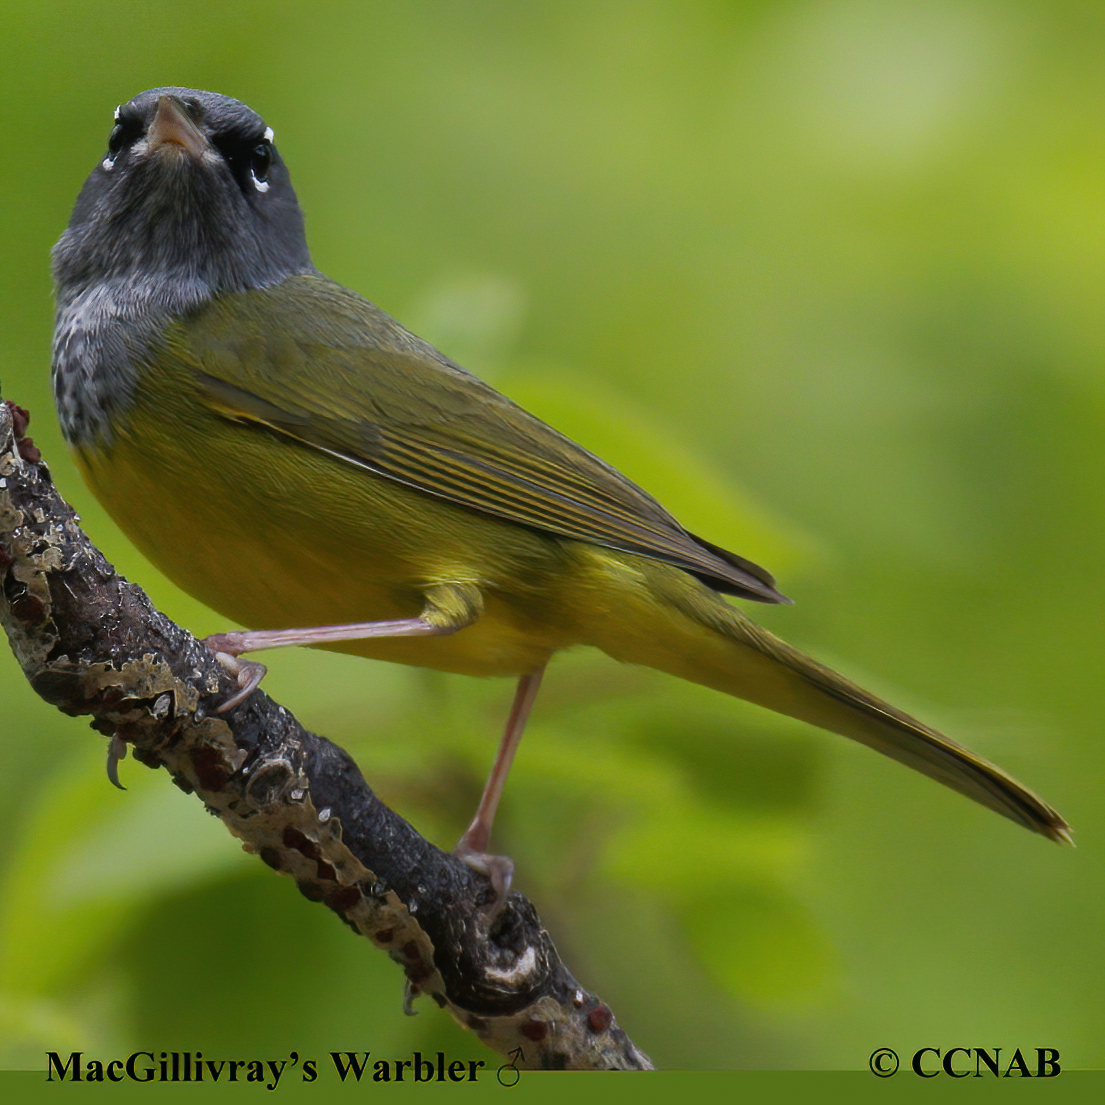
<point>334,373</point>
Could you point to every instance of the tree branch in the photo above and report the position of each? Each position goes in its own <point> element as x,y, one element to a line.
<point>91,643</point>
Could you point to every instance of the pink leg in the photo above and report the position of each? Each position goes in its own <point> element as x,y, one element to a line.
<point>234,644</point>
<point>228,647</point>
<point>472,847</point>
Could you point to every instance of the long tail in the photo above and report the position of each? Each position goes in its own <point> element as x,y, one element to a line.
<point>705,640</point>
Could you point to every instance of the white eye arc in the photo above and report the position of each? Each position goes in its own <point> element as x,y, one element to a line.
<point>262,161</point>
<point>109,162</point>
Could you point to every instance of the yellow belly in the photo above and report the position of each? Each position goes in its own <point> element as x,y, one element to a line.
<point>273,535</point>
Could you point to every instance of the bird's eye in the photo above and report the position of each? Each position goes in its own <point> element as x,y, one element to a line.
<point>260,161</point>
<point>122,135</point>
<point>248,157</point>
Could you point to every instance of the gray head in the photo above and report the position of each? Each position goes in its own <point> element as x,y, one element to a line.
<point>190,201</point>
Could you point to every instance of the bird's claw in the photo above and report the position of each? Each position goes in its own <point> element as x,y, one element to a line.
<point>116,751</point>
<point>247,673</point>
<point>499,871</point>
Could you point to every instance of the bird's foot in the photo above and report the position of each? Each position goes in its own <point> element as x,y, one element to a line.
<point>499,870</point>
<point>247,673</point>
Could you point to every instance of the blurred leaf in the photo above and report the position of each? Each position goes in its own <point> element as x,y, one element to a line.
<point>61,904</point>
<point>760,945</point>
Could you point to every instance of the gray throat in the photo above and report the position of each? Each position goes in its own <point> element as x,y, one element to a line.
<point>103,333</point>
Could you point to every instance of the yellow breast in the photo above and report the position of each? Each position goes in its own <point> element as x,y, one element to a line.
<point>273,535</point>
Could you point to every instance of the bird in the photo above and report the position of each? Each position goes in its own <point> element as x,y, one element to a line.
<point>293,457</point>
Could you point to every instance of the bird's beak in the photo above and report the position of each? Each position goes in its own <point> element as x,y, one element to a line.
<point>173,126</point>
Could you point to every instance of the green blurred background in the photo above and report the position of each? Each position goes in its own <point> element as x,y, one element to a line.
<point>826,277</point>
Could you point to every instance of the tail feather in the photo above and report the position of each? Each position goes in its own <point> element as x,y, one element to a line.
<point>894,733</point>
<point>708,641</point>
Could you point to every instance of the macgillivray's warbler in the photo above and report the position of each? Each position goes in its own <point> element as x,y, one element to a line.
<point>291,456</point>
